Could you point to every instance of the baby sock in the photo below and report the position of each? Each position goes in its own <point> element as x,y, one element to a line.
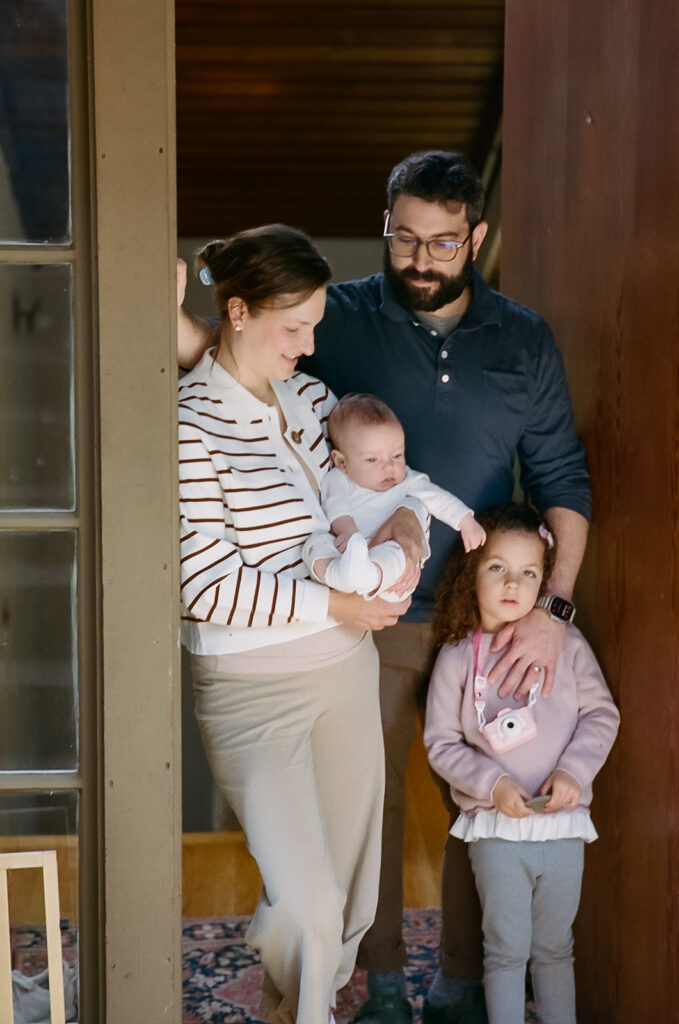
<point>353,571</point>
<point>392,561</point>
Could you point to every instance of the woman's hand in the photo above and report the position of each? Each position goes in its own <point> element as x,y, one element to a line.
<point>509,798</point>
<point>181,281</point>
<point>354,610</point>
<point>564,790</point>
<point>403,526</point>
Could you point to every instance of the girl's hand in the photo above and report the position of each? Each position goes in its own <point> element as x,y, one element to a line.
<point>509,797</point>
<point>354,610</point>
<point>564,790</point>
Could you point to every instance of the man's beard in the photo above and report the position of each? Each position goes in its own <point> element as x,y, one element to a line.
<point>449,288</point>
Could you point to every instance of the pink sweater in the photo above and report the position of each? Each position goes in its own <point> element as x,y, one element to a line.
<point>577,725</point>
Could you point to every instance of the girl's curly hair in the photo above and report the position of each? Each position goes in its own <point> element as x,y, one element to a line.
<point>456,611</point>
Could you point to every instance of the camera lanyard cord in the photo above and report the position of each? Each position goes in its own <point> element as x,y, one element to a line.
<point>480,682</point>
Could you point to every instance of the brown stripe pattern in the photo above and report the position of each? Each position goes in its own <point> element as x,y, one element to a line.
<point>243,518</point>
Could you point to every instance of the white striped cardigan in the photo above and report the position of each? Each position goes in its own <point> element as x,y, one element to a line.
<point>246,508</point>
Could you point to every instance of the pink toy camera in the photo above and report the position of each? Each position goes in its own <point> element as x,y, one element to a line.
<point>510,729</point>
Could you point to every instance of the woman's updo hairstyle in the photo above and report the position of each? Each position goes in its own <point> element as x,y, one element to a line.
<point>456,610</point>
<point>262,264</point>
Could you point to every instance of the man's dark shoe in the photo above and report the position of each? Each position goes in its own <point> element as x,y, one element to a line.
<point>385,1007</point>
<point>471,1009</point>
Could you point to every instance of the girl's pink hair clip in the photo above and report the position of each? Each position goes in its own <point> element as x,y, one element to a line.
<point>546,535</point>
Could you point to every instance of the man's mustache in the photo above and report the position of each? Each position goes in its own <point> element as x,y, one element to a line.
<point>421,275</point>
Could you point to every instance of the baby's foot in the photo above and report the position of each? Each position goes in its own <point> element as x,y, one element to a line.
<point>353,572</point>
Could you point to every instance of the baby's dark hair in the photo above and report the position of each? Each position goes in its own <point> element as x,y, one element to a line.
<point>456,610</point>
<point>356,408</point>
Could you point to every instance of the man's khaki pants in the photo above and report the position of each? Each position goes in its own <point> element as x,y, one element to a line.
<point>406,660</point>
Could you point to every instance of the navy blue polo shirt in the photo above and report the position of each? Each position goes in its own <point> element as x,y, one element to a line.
<point>494,388</point>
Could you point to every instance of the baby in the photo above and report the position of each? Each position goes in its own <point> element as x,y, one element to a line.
<point>370,480</point>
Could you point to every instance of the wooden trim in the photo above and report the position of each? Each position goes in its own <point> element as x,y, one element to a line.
<point>134,160</point>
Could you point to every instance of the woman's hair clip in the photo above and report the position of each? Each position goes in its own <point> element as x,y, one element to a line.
<point>205,275</point>
<point>546,535</point>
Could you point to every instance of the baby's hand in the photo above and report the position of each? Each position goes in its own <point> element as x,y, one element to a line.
<point>564,790</point>
<point>342,529</point>
<point>473,535</point>
<point>509,797</point>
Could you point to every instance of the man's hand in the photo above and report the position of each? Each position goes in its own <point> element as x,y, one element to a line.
<point>342,529</point>
<point>354,610</point>
<point>509,798</point>
<point>403,526</point>
<point>534,640</point>
<point>564,789</point>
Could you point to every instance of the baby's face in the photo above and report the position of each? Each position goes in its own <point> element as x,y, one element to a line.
<point>373,456</point>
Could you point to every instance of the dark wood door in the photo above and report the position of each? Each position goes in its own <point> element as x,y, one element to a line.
<point>590,226</point>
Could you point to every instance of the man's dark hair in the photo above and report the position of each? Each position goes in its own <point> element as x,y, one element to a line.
<point>438,177</point>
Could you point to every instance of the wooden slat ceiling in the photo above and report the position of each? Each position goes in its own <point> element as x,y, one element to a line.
<point>296,111</point>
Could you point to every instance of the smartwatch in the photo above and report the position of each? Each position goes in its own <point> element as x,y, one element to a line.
<point>560,609</point>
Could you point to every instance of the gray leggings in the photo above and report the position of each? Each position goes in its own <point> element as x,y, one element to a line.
<point>529,896</point>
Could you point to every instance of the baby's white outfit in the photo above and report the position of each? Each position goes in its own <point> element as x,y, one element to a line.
<point>341,496</point>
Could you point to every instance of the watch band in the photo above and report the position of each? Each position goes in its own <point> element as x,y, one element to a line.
<point>559,608</point>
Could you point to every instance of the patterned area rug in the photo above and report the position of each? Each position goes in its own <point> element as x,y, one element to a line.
<point>29,948</point>
<point>222,976</point>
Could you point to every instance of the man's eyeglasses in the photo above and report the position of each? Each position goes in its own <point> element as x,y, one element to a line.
<point>441,249</point>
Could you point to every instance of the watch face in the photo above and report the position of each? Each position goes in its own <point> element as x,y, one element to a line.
<point>562,609</point>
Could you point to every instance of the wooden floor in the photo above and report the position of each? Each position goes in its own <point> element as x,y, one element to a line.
<point>220,877</point>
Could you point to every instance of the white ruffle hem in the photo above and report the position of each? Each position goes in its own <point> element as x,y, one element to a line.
<point>492,824</point>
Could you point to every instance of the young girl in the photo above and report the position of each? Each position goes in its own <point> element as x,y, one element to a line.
<point>521,776</point>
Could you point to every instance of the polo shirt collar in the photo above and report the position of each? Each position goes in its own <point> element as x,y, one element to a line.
<point>483,311</point>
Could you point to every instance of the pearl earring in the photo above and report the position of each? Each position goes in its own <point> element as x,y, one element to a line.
<point>239,327</point>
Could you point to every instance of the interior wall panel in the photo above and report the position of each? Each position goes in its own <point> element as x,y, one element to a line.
<point>591,239</point>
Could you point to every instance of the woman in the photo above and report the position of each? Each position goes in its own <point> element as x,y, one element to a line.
<point>285,671</point>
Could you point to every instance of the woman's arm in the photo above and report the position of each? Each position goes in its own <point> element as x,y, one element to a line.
<point>216,585</point>
<point>194,333</point>
<point>354,610</point>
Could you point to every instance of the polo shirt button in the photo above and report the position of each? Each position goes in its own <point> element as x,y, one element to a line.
<point>444,354</point>
<point>445,378</point>
<point>433,334</point>
<point>415,323</point>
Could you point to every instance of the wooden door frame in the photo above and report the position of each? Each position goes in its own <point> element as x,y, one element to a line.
<point>134,218</point>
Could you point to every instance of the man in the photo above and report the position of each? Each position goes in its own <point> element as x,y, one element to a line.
<point>476,380</point>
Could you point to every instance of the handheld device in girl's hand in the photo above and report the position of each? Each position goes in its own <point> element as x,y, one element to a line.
<point>538,803</point>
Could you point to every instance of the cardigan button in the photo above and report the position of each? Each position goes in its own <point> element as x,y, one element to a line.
<point>296,435</point>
